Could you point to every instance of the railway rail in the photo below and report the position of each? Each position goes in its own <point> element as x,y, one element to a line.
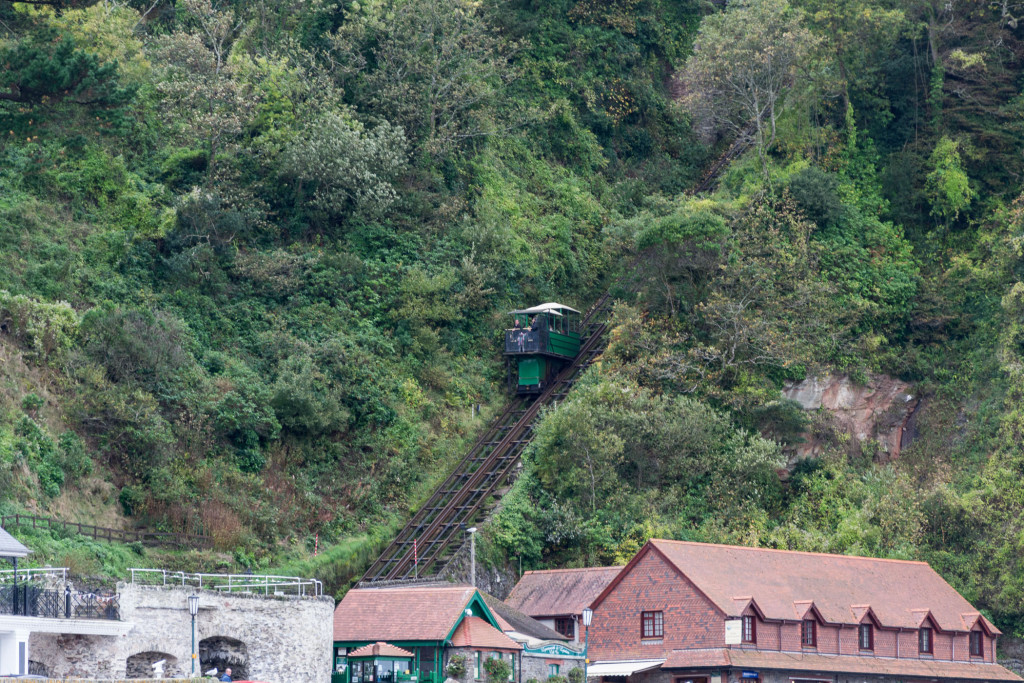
<point>426,546</point>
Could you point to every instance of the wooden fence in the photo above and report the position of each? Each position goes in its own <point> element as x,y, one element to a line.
<point>165,539</point>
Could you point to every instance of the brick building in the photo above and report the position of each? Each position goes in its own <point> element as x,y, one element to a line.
<point>556,597</point>
<point>700,613</point>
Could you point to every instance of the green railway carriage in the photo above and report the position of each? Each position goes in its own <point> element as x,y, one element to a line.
<point>543,340</point>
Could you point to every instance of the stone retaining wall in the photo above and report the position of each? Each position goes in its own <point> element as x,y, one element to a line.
<point>127,680</point>
<point>281,639</point>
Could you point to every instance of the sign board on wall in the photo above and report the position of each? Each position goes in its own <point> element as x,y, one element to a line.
<point>549,648</point>
<point>733,631</point>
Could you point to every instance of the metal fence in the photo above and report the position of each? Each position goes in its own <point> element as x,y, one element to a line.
<point>30,600</point>
<point>266,584</point>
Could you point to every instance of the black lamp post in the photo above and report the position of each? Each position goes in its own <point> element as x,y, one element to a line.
<point>193,609</point>
<point>588,616</point>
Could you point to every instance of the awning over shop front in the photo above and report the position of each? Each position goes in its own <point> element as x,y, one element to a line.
<point>623,668</point>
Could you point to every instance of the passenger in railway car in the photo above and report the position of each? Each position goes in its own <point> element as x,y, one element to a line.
<point>548,342</point>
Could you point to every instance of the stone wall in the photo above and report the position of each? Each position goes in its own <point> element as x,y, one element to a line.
<point>126,680</point>
<point>537,666</point>
<point>278,638</point>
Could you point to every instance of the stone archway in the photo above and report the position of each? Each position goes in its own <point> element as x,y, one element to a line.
<point>223,652</point>
<point>140,665</point>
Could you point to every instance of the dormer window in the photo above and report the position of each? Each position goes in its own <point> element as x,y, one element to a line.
<point>749,630</point>
<point>924,640</point>
<point>977,642</point>
<point>866,637</point>
<point>809,633</point>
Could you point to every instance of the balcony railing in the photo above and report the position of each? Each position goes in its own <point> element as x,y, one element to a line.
<point>28,600</point>
<point>231,583</point>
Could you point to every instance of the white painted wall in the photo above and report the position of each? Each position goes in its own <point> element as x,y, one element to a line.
<point>13,650</point>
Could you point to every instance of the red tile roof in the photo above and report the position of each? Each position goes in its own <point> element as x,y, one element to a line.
<point>511,619</point>
<point>786,584</point>
<point>476,633</point>
<point>830,664</point>
<point>380,649</point>
<point>385,613</point>
<point>555,592</point>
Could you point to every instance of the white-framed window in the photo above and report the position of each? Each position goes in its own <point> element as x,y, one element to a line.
<point>866,637</point>
<point>749,630</point>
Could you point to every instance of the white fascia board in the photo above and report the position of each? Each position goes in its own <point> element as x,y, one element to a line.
<point>80,627</point>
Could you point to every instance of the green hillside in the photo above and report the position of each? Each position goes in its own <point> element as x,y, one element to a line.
<point>255,259</point>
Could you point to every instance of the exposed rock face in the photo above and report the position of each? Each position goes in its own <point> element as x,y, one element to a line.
<point>880,410</point>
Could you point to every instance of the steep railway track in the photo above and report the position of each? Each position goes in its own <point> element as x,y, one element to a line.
<point>429,541</point>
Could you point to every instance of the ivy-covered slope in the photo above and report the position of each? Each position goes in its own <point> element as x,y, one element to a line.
<point>255,256</point>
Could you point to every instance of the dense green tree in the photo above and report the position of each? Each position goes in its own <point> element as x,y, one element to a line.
<point>743,62</point>
<point>344,169</point>
<point>430,66</point>
<point>47,72</point>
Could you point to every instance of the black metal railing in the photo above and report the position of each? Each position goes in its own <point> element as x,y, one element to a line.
<point>28,600</point>
<point>526,341</point>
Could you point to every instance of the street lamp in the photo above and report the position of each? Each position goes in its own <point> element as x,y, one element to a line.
<point>193,609</point>
<point>472,555</point>
<point>588,616</point>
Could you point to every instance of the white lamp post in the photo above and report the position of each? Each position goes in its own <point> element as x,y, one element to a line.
<point>472,555</point>
<point>588,616</point>
<point>193,609</point>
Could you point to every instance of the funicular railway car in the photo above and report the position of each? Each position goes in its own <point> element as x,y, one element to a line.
<point>542,341</point>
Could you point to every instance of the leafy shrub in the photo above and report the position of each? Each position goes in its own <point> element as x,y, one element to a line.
<point>32,402</point>
<point>340,168</point>
<point>817,194</point>
<point>126,421</point>
<point>47,330</point>
<point>185,168</point>
<point>498,670</point>
<point>456,666</point>
<point>40,452</point>
<point>132,499</point>
<point>135,345</point>
<point>77,463</point>
<point>244,415</point>
<point>576,675</point>
<point>303,399</point>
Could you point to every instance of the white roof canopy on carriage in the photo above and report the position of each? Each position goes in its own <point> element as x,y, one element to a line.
<point>550,307</point>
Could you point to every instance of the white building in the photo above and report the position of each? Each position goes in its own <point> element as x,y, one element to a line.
<point>40,601</point>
